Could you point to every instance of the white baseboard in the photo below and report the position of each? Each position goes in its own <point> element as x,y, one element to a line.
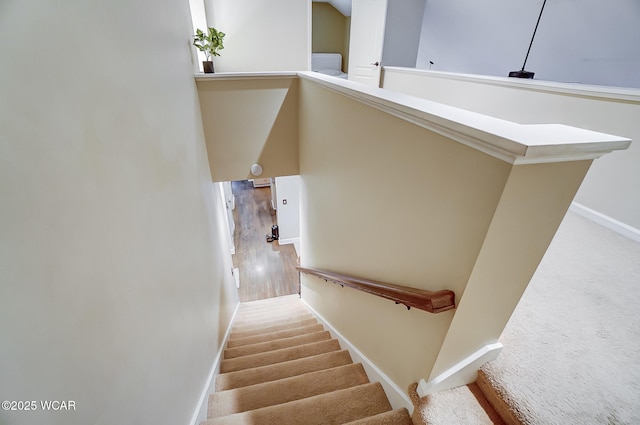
<point>396,396</point>
<point>463,373</point>
<point>288,241</point>
<point>606,221</point>
<point>200,413</point>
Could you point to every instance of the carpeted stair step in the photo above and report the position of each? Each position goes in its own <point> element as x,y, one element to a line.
<point>337,407</point>
<point>271,328</point>
<point>275,335</point>
<point>278,356</point>
<point>394,417</point>
<point>285,390</point>
<point>275,306</point>
<point>264,347</point>
<point>464,405</point>
<point>271,312</point>
<point>274,322</point>
<point>258,375</point>
<point>270,303</point>
<point>240,325</point>
<point>496,399</point>
<point>263,319</point>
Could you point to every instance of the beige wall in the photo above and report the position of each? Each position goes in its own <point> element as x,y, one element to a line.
<point>374,205</point>
<point>250,120</point>
<point>611,186</point>
<point>386,199</point>
<point>329,31</point>
<point>262,35</point>
<point>115,283</point>
<point>531,207</point>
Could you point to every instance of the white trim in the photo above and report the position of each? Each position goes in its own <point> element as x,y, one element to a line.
<point>200,413</point>
<point>606,221</point>
<point>508,141</point>
<point>288,241</point>
<point>462,373</point>
<point>244,76</point>
<point>396,396</point>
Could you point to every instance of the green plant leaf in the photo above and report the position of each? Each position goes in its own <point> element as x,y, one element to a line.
<point>209,43</point>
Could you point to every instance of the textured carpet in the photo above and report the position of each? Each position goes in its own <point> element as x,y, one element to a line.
<point>572,347</point>
<point>281,367</point>
<point>465,405</point>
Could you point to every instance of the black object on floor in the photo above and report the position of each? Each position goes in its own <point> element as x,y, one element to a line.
<point>275,234</point>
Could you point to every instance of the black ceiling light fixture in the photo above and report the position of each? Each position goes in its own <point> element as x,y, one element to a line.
<point>522,73</point>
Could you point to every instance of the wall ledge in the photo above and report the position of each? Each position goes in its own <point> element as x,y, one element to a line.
<point>216,76</point>
<point>605,93</point>
<point>510,142</point>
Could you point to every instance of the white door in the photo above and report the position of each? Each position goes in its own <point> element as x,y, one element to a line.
<point>368,19</point>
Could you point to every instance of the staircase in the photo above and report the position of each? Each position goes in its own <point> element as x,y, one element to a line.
<point>281,367</point>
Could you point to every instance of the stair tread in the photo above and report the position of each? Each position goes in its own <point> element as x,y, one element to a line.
<point>278,356</point>
<point>269,302</point>
<point>260,319</point>
<point>266,323</point>
<point>435,409</point>
<point>337,407</point>
<point>275,311</point>
<point>266,346</point>
<point>273,328</point>
<point>301,330</point>
<point>394,417</point>
<point>486,393</point>
<point>285,390</point>
<point>257,375</point>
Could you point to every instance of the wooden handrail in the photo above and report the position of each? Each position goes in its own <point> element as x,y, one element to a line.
<point>431,301</point>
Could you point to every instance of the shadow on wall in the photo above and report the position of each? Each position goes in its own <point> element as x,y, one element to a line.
<point>247,121</point>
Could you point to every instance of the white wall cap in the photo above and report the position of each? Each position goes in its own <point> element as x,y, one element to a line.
<point>243,75</point>
<point>508,141</point>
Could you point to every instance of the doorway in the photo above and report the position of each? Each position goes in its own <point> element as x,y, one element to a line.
<point>330,29</point>
<point>266,269</point>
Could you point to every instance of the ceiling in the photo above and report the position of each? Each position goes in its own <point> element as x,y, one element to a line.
<point>343,6</point>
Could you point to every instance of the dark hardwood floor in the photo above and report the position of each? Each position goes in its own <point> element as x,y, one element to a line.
<point>266,269</point>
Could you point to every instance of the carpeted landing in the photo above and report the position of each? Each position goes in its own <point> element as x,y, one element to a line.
<point>281,367</point>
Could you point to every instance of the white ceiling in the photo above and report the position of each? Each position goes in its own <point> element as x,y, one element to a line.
<point>343,6</point>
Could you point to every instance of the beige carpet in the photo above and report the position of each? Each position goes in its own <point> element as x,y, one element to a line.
<point>572,347</point>
<point>465,405</point>
<point>281,367</point>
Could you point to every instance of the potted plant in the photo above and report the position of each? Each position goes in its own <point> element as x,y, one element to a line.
<point>210,44</point>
